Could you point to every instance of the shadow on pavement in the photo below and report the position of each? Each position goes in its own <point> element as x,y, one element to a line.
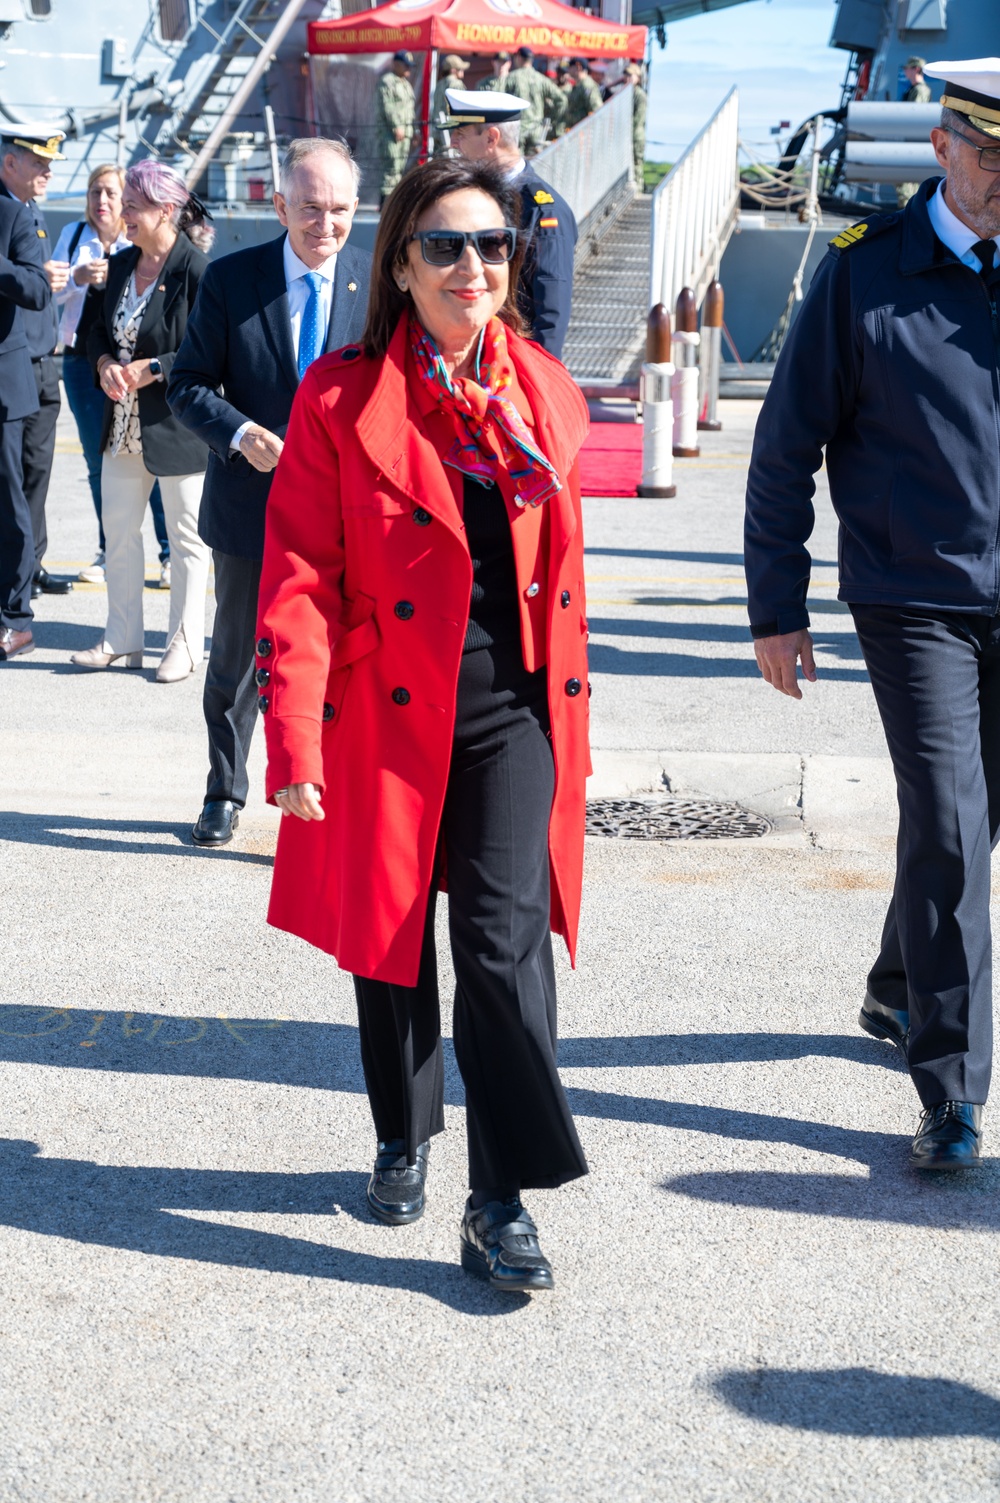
<point>325,1056</point>
<point>604,659</point>
<point>722,1049</point>
<point>136,1210</point>
<point>858,1401</point>
<point>77,833</point>
<point>685,556</point>
<point>844,643</point>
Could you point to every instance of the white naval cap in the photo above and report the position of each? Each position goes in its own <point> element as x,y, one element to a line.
<point>482,107</point>
<point>971,88</point>
<point>43,140</point>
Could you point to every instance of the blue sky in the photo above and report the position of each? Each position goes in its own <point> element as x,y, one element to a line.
<point>775,50</point>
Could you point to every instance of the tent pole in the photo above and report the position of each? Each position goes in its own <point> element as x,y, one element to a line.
<point>426,96</point>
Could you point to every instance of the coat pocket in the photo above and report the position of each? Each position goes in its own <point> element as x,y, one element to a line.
<point>361,636</point>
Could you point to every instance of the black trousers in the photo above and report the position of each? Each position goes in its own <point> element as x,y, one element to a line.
<point>230,697</point>
<point>17,548</point>
<point>936,678</point>
<point>38,448</point>
<point>494,839</point>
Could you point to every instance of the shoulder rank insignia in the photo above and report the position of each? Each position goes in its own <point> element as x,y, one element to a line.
<point>541,197</point>
<point>41,234</point>
<point>849,237</point>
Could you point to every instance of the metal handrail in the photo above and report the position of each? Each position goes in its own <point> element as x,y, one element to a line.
<point>695,209</point>
<point>590,161</point>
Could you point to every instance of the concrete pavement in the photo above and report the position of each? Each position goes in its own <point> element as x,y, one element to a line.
<point>755,1299</point>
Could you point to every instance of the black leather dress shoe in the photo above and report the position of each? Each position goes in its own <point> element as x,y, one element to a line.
<point>950,1136</point>
<point>216,823</point>
<point>396,1188</point>
<point>44,584</point>
<point>14,643</point>
<point>500,1244</point>
<point>883,1022</point>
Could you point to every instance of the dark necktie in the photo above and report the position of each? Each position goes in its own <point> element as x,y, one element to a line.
<point>985,252</point>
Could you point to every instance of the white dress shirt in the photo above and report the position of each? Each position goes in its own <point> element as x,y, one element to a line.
<point>298,295</point>
<point>952,232</point>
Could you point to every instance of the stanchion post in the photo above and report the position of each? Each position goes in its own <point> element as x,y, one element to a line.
<point>657,408</point>
<point>684,385</point>
<point>710,357</point>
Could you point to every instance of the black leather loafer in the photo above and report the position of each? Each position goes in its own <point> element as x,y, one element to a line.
<point>500,1245</point>
<point>950,1136</point>
<point>44,584</point>
<point>887,1023</point>
<point>396,1188</point>
<point>217,823</point>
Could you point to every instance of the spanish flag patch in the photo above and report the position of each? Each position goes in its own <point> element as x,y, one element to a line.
<point>548,224</point>
<point>849,237</point>
<point>541,197</point>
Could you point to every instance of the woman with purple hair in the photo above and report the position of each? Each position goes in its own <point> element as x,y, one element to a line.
<point>138,327</point>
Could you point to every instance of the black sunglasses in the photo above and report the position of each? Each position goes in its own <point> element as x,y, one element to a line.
<point>445,247</point>
<point>989,156</point>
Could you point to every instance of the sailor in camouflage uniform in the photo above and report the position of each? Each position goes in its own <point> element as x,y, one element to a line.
<point>395,111</point>
<point>544,100</point>
<point>496,82</point>
<point>585,98</point>
<point>452,77</point>
<point>893,368</point>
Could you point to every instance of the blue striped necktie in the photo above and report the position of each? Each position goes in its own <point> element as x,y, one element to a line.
<point>312,333</point>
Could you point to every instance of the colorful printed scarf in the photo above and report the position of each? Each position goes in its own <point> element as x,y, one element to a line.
<point>470,401</point>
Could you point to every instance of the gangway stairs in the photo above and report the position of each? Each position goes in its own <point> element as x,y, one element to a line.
<point>607,332</point>
<point>637,250</point>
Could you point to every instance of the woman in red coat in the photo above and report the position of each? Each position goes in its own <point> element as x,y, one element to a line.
<point>423,680</point>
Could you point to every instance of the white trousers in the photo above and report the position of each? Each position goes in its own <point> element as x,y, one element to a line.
<point>125,488</point>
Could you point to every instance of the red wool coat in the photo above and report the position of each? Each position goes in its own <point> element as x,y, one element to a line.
<point>364,602</point>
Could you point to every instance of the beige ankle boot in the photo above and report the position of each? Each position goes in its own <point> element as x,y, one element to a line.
<point>177,662</point>
<point>96,657</point>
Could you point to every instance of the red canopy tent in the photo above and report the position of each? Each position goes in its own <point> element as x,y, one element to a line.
<point>479,26</point>
<point>546,26</point>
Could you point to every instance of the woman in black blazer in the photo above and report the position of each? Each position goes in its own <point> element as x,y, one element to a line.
<point>139,323</point>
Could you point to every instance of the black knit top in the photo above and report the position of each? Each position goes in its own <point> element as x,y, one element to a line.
<point>493,610</point>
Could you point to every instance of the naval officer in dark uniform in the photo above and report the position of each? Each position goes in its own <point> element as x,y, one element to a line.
<point>486,128</point>
<point>25,169</point>
<point>23,285</point>
<point>894,366</point>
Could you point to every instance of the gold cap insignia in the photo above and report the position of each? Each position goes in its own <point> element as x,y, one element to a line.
<point>48,148</point>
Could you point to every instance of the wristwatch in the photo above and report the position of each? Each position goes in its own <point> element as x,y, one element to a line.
<point>155,368</point>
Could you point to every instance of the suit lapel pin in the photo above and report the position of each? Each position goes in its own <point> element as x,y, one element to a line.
<point>352,286</point>
<point>162,287</point>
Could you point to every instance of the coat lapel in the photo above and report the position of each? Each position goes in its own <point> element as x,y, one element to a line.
<point>273,295</point>
<point>346,291</point>
<point>169,284</point>
<point>392,433</point>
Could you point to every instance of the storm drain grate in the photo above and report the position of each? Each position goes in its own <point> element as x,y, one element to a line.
<point>672,819</point>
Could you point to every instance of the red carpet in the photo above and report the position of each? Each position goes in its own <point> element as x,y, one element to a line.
<point>611,459</point>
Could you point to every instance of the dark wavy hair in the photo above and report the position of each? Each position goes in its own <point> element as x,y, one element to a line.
<point>415,193</point>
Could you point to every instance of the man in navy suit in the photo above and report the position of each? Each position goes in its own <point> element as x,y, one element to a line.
<point>261,317</point>
<point>23,284</point>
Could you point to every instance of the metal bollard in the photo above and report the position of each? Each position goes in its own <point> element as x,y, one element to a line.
<point>657,408</point>
<point>710,357</point>
<point>684,385</point>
